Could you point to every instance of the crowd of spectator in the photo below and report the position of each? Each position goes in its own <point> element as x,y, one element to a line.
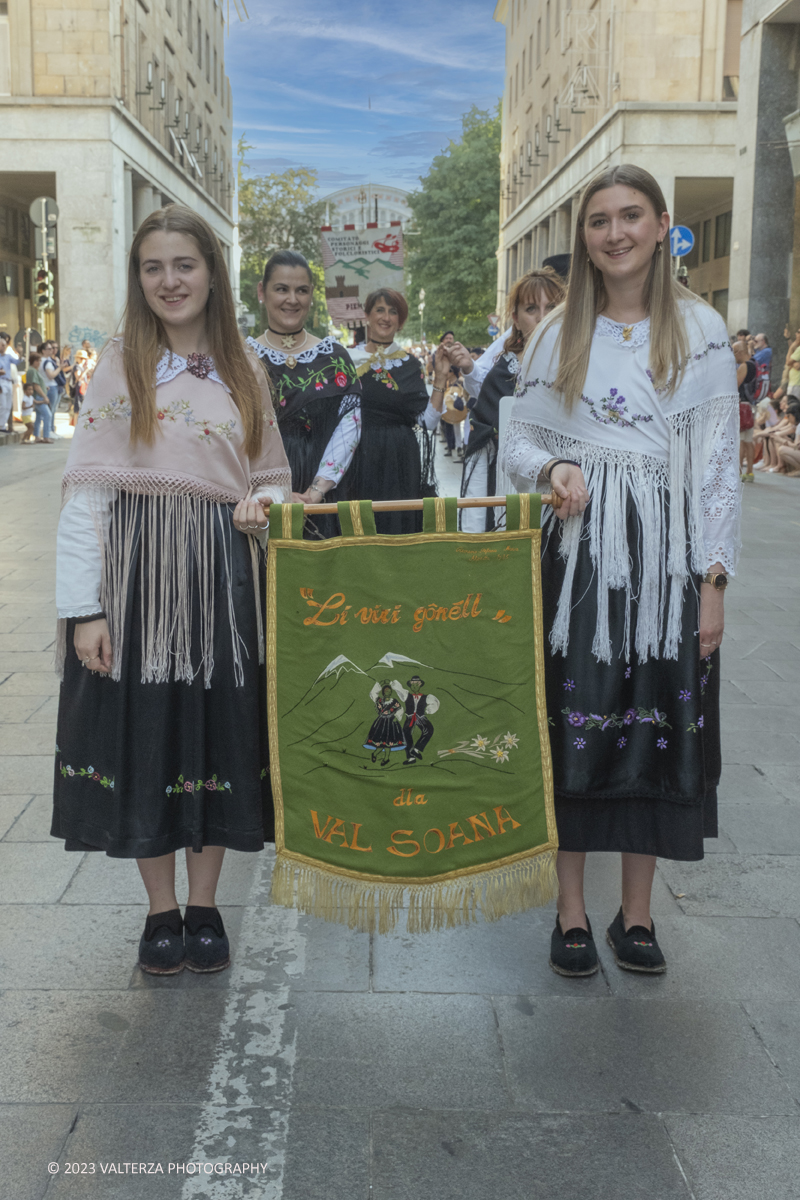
<point>32,389</point>
<point>769,417</point>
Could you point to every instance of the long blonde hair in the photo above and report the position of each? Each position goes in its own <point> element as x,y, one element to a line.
<point>586,297</point>
<point>526,291</point>
<point>144,337</point>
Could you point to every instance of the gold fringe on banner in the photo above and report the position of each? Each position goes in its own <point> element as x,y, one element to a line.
<point>365,905</point>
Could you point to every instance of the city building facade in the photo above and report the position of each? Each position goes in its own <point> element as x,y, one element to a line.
<point>765,259</point>
<point>591,85</point>
<point>111,108</point>
<point>367,203</point>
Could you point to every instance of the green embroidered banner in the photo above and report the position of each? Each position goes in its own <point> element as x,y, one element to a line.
<point>408,732</point>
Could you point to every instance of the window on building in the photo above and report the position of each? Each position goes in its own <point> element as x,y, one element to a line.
<point>720,302</point>
<point>208,59</point>
<point>510,92</point>
<point>523,70</point>
<point>199,42</point>
<point>530,57</point>
<point>539,42</point>
<point>516,88</point>
<point>557,25</point>
<point>706,241</point>
<point>722,235</point>
<point>189,24</point>
<point>215,72</point>
<point>547,26</point>
<point>5,52</point>
<point>179,15</point>
<point>168,6</point>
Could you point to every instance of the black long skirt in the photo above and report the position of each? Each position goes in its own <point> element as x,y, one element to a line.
<point>144,769</point>
<point>636,747</point>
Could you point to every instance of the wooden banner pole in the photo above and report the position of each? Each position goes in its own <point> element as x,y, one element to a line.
<point>416,505</point>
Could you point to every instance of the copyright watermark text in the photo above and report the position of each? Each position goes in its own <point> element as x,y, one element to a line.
<point>155,1168</point>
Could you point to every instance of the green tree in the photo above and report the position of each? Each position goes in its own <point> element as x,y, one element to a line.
<point>279,212</point>
<point>457,212</point>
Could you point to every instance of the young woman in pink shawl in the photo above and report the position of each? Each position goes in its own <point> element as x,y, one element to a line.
<point>161,737</point>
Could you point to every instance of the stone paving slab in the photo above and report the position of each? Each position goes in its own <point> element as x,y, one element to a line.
<point>444,1051</point>
<point>31,1136</point>
<point>461,1156</point>
<point>736,1158</point>
<point>738,885</point>
<point>606,1055</point>
<point>777,1023</point>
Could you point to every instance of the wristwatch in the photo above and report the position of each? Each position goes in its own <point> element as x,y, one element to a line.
<point>718,581</point>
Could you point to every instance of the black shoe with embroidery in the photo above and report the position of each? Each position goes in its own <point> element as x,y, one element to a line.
<point>207,947</point>
<point>573,953</point>
<point>161,949</point>
<point>635,949</point>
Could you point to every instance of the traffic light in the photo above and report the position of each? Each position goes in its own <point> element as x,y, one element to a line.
<point>45,284</point>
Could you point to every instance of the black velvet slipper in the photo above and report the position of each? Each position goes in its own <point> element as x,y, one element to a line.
<point>574,952</point>
<point>207,947</point>
<point>161,950</point>
<point>635,949</point>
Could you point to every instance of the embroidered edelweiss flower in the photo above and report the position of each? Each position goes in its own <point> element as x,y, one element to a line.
<point>577,719</point>
<point>569,685</point>
<point>480,743</point>
<point>511,739</point>
<point>684,695</point>
<point>662,743</point>
<point>580,743</point>
<point>623,741</point>
<point>499,754</point>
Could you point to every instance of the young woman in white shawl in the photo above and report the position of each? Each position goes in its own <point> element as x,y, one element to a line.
<point>626,406</point>
<point>161,741</point>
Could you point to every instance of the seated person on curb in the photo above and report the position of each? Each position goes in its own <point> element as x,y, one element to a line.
<point>787,441</point>
<point>779,434</point>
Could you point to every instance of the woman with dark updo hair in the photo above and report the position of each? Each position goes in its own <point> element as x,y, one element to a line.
<point>317,394</point>
<point>395,459</point>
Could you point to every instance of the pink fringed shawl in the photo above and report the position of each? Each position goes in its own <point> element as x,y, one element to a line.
<point>197,463</point>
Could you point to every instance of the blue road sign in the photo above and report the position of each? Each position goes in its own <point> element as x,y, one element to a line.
<point>681,241</point>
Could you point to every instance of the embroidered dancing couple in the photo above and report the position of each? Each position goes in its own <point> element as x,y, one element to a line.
<point>163,533</point>
<point>386,734</point>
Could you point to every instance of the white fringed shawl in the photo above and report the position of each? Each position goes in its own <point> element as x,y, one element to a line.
<point>674,455</point>
<point>197,464</point>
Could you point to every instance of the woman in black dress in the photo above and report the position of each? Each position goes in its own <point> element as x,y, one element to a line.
<point>316,392</point>
<point>161,741</point>
<point>531,298</point>
<point>395,459</point>
<point>627,407</point>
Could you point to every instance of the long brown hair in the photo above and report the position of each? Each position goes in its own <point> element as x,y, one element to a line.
<point>586,297</point>
<point>526,291</point>
<point>144,337</point>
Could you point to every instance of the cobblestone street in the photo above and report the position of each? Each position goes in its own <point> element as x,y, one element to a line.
<point>454,1066</point>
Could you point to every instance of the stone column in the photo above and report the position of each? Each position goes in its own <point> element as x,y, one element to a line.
<point>144,202</point>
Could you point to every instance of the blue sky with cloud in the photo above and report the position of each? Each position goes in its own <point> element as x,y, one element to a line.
<point>367,98</point>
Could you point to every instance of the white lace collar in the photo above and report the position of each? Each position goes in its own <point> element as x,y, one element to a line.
<point>637,334</point>
<point>278,357</point>
<point>170,365</point>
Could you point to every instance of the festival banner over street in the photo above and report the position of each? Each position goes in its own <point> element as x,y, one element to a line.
<point>357,262</point>
<point>409,748</point>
